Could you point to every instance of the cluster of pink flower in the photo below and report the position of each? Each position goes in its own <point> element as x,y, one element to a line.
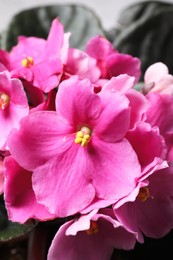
<point>79,141</point>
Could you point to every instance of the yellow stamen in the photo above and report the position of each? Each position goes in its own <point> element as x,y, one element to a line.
<point>4,100</point>
<point>83,136</point>
<point>143,194</point>
<point>27,62</point>
<point>93,228</point>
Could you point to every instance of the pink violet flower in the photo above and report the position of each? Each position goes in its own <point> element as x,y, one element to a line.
<point>81,64</point>
<point>20,200</point>
<point>110,61</point>
<point>73,147</point>
<point>157,79</point>
<point>147,143</point>
<point>37,60</point>
<point>83,238</point>
<point>150,214</point>
<point>150,149</point>
<point>160,114</point>
<point>124,84</point>
<point>13,105</point>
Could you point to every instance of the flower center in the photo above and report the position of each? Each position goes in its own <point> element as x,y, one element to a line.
<point>93,228</point>
<point>83,136</point>
<point>27,62</point>
<point>4,100</point>
<point>143,194</point>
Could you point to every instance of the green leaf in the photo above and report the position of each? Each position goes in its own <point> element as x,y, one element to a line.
<point>81,21</point>
<point>145,30</point>
<point>15,230</point>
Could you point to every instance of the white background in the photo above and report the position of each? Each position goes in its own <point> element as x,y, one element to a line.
<point>107,10</point>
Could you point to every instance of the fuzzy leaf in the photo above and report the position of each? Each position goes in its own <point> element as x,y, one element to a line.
<point>145,30</point>
<point>14,231</point>
<point>81,21</point>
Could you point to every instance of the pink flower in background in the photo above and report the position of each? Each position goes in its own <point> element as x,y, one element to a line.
<point>39,61</point>
<point>157,79</point>
<point>147,143</point>
<point>13,105</point>
<point>73,147</point>
<point>110,61</point>
<point>150,149</point>
<point>81,64</point>
<point>160,114</point>
<point>151,212</point>
<point>20,199</point>
<point>92,236</point>
<point>124,84</point>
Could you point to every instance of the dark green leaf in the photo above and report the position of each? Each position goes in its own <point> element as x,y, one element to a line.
<point>145,30</point>
<point>15,231</point>
<point>77,19</point>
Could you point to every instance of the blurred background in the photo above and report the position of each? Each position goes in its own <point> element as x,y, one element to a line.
<point>107,10</point>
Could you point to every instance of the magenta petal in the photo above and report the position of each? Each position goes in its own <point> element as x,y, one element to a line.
<point>115,169</point>
<point>142,216</point>
<point>38,140</point>
<point>158,206</point>
<point>10,122</point>
<point>19,196</point>
<point>137,100</point>
<point>81,64</point>
<point>98,204</point>
<point>99,48</point>
<point>114,120</point>
<point>108,225</point>
<point>1,176</point>
<point>27,46</point>
<point>66,181</point>
<point>121,83</point>
<point>17,107</point>
<point>54,40</point>
<point>2,67</point>
<point>14,88</point>
<point>146,151</point>
<point>22,73</point>
<point>46,74</point>
<point>76,102</point>
<point>81,224</point>
<point>116,234</point>
<point>120,63</point>
<point>128,217</point>
<point>162,211</point>
<point>81,246</point>
<point>160,105</point>
<point>4,60</point>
